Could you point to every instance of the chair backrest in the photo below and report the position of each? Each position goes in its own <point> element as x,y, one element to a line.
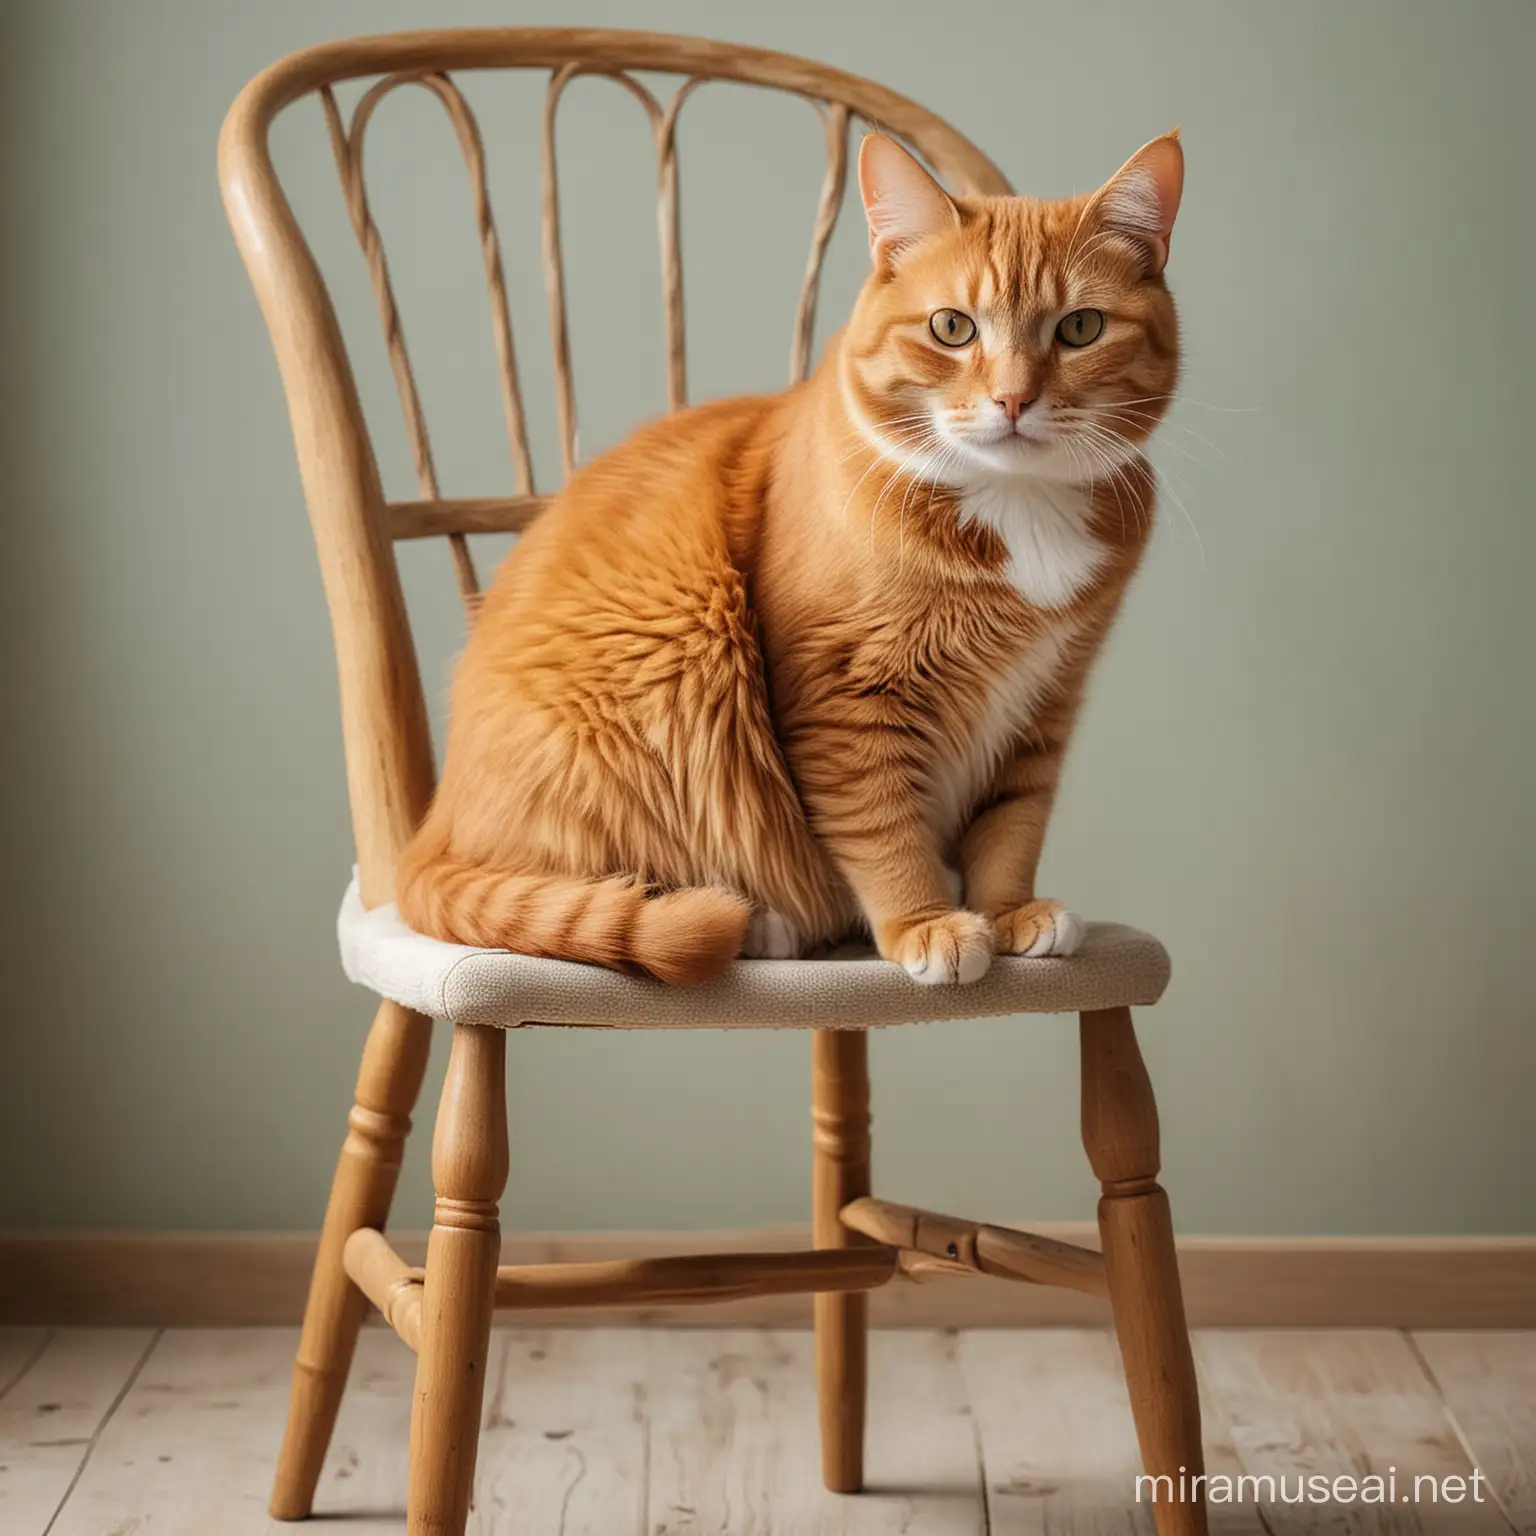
<point>384,719</point>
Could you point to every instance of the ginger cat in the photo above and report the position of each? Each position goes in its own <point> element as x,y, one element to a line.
<point>782,669</point>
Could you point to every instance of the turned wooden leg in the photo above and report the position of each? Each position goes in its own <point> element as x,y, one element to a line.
<point>840,1173</point>
<point>388,1082</point>
<point>469,1172</point>
<point>1121,1137</point>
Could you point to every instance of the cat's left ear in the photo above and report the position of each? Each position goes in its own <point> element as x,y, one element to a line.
<point>1141,200</point>
<point>902,202</point>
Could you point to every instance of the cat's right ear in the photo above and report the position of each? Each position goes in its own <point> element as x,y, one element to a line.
<point>1141,200</point>
<point>902,202</point>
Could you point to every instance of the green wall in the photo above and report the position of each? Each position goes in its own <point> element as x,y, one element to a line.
<point>1308,759</point>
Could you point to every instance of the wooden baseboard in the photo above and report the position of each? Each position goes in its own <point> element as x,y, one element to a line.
<point>233,1278</point>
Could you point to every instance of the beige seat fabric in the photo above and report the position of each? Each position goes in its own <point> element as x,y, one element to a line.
<point>1117,966</point>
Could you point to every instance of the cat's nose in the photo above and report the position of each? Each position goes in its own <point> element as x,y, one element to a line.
<point>1014,406</point>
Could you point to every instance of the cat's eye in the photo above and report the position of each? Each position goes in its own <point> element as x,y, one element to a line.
<point>1081,327</point>
<point>952,327</point>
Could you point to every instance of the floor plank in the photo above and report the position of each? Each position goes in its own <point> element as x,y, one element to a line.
<point>635,1433</point>
<point>191,1449</point>
<point>19,1350</point>
<point>1057,1440</point>
<point>734,1439</point>
<point>51,1415</point>
<point>1326,1405</point>
<point>1227,1517</point>
<point>564,1444</point>
<point>362,1489</point>
<point>1488,1382</point>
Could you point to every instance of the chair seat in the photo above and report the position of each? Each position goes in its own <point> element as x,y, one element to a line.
<point>854,989</point>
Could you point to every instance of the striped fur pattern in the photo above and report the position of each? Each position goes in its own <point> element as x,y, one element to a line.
<point>785,669</point>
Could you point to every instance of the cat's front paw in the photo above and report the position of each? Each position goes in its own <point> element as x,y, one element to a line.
<point>1039,928</point>
<point>954,948</point>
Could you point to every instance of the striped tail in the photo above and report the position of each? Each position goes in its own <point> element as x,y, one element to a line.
<point>683,936</point>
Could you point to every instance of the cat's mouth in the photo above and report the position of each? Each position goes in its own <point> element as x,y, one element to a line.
<point>1028,431</point>
<point>1033,449</point>
<point>1015,442</point>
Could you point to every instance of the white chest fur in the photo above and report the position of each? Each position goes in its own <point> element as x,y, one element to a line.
<point>1011,703</point>
<point>1052,553</point>
<point>1052,556</point>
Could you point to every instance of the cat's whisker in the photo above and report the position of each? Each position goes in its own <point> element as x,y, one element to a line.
<point>951,456</point>
<point>917,482</point>
<point>909,428</point>
<point>1177,447</point>
<point>1178,501</point>
<point>927,439</point>
<point>1113,481</point>
<point>1144,418</point>
<point>1183,399</point>
<point>1081,467</point>
<point>876,460</point>
<point>886,489</point>
<point>1117,470</point>
<point>901,514</point>
<point>950,451</point>
<point>1166,482</point>
<point>875,464</point>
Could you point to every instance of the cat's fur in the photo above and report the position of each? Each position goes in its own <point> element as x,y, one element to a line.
<point>783,668</point>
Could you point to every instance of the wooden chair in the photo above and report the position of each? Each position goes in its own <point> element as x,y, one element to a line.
<point>444,1312</point>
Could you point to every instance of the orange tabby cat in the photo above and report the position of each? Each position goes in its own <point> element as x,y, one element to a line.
<point>785,668</point>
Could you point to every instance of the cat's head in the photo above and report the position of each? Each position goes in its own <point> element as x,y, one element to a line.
<point>1003,335</point>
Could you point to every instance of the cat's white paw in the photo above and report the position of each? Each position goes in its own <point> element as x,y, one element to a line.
<point>955,948</point>
<point>1065,935</point>
<point>770,936</point>
<point>1040,929</point>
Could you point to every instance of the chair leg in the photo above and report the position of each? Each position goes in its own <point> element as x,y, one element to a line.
<point>840,1173</point>
<point>469,1172</point>
<point>394,1060</point>
<point>1120,1133</point>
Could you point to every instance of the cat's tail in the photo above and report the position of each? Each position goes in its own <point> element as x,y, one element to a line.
<point>682,936</point>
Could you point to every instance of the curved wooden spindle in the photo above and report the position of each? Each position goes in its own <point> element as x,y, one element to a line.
<point>664,130</point>
<point>554,258</point>
<point>468,131</point>
<point>835,120</point>
<point>554,272</point>
<point>348,149</point>
<point>669,230</point>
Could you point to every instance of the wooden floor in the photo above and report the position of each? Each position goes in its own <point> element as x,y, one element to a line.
<point>660,1433</point>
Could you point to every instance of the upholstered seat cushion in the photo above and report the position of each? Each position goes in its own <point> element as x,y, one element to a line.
<point>1116,966</point>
